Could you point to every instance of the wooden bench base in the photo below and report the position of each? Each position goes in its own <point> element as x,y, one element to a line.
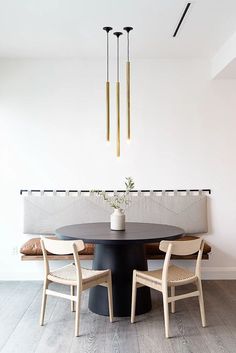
<point>90,257</point>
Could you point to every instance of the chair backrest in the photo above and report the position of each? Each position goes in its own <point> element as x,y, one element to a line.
<point>62,247</point>
<point>181,248</point>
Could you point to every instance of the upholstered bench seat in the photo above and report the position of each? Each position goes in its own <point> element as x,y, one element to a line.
<point>31,250</point>
<point>33,247</point>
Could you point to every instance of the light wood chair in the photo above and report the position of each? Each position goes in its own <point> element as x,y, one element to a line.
<point>72,275</point>
<point>172,276</point>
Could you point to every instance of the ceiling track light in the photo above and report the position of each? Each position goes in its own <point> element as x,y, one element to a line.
<point>186,9</point>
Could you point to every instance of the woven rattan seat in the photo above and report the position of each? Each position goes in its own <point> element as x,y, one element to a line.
<point>68,273</point>
<point>175,275</point>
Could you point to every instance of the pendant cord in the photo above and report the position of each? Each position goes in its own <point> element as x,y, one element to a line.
<point>128,46</point>
<point>118,68</point>
<point>118,34</point>
<point>107,57</point>
<point>107,29</point>
<point>128,29</point>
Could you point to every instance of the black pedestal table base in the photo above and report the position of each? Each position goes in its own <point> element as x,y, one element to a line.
<point>121,260</point>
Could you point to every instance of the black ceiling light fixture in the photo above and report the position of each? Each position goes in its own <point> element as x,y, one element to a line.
<point>186,9</point>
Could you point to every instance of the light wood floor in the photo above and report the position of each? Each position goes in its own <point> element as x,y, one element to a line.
<point>21,333</point>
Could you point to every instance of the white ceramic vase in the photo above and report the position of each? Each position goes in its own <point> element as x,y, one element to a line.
<point>117,220</point>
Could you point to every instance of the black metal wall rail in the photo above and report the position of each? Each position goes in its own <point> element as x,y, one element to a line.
<point>136,191</point>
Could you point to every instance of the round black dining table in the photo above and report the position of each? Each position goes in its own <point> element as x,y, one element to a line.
<point>121,252</point>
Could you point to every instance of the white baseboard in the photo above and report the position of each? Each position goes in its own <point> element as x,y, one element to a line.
<point>219,273</point>
<point>33,271</point>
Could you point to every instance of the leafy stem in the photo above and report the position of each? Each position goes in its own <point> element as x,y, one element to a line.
<point>118,201</point>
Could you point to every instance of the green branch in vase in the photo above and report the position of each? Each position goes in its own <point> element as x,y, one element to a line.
<point>118,201</point>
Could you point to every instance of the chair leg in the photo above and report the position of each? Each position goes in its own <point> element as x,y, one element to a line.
<point>201,303</point>
<point>44,300</point>
<point>77,311</point>
<point>166,311</point>
<point>72,303</point>
<point>110,298</point>
<point>172,293</point>
<point>134,294</point>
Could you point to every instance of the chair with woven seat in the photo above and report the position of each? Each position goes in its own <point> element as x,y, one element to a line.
<point>172,276</point>
<point>72,275</point>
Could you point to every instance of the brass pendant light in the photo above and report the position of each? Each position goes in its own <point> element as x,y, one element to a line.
<point>107,29</point>
<point>128,29</point>
<point>118,34</point>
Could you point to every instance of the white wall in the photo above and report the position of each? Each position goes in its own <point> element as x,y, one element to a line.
<point>52,135</point>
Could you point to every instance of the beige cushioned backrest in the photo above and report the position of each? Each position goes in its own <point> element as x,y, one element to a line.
<point>44,214</point>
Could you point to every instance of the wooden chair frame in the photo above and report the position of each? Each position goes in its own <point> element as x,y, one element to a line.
<point>178,248</point>
<point>64,247</point>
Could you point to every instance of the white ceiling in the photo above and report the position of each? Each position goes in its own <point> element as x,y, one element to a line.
<point>73,28</point>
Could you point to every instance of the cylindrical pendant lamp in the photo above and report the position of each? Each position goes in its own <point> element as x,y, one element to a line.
<point>107,29</point>
<point>128,29</point>
<point>118,34</point>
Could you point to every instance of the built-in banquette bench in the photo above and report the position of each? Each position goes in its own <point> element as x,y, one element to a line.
<point>43,213</point>
<point>31,251</point>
